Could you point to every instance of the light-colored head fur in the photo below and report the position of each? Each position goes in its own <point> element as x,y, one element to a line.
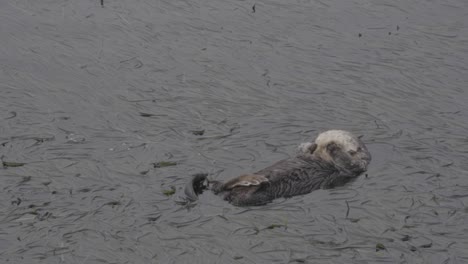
<point>344,138</point>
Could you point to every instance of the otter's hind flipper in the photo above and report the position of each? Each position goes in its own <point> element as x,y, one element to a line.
<point>196,186</point>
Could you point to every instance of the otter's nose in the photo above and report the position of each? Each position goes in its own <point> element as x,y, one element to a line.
<point>360,167</point>
<point>362,162</point>
<point>365,161</point>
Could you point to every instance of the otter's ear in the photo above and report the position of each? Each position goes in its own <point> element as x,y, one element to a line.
<point>332,147</point>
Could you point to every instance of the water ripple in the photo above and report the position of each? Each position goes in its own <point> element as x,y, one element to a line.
<point>93,97</point>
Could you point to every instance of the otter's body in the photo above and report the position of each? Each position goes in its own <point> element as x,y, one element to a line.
<point>334,159</point>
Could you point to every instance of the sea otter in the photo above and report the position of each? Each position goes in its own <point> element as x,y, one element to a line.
<point>335,158</point>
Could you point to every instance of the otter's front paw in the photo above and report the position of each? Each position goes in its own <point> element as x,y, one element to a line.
<point>306,148</point>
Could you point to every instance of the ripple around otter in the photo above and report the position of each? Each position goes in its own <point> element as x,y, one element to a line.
<point>92,97</point>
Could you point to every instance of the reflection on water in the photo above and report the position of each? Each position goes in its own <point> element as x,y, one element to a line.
<point>95,99</point>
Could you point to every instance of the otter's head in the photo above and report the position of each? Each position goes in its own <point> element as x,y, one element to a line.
<point>342,149</point>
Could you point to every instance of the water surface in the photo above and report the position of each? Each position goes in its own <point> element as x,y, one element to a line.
<point>92,97</point>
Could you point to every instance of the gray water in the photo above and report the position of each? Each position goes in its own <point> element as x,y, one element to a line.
<point>92,97</point>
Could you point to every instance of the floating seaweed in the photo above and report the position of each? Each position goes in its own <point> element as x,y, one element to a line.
<point>198,132</point>
<point>162,164</point>
<point>379,246</point>
<point>7,164</point>
<point>273,226</point>
<point>170,191</point>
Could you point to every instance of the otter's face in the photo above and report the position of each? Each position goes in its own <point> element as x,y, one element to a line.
<point>343,149</point>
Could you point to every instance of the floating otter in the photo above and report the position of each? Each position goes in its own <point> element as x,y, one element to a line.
<point>335,158</point>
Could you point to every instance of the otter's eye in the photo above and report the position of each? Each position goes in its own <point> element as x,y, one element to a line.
<point>352,152</point>
<point>332,147</point>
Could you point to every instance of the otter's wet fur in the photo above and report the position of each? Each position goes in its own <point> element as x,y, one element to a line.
<point>334,159</point>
